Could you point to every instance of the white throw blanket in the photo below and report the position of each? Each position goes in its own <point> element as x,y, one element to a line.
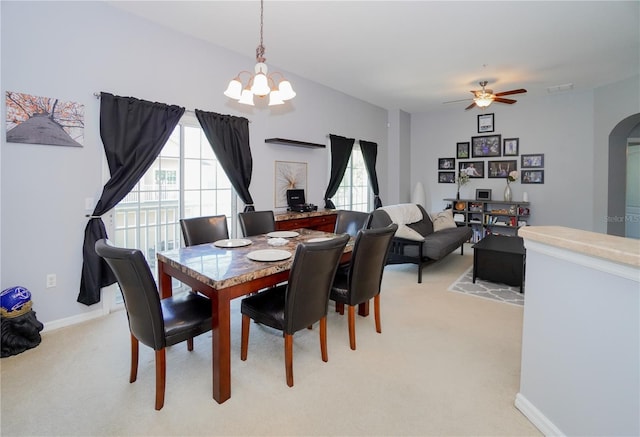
<point>402,215</point>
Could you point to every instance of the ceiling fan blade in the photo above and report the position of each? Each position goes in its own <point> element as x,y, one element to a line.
<point>501,100</point>
<point>470,106</point>
<point>507,93</point>
<point>457,101</point>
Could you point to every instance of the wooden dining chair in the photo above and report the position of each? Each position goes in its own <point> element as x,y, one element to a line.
<point>200,230</point>
<point>256,222</point>
<point>301,302</point>
<point>362,280</point>
<point>155,322</point>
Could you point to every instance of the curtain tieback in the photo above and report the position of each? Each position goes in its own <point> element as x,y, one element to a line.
<point>93,216</point>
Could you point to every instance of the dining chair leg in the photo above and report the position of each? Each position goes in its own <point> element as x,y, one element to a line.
<point>244,337</point>
<point>323,339</point>
<point>352,326</point>
<point>288,358</point>
<point>340,308</point>
<point>190,344</point>
<point>376,311</point>
<point>161,373</point>
<point>133,375</point>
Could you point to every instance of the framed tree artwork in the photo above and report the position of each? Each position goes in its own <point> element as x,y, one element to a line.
<point>288,176</point>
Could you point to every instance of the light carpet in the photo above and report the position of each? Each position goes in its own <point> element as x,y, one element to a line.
<point>445,364</point>
<point>487,290</point>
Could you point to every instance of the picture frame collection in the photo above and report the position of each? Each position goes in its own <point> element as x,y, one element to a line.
<point>470,154</point>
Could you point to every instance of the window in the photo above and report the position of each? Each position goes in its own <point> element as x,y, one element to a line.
<point>186,180</point>
<point>353,193</point>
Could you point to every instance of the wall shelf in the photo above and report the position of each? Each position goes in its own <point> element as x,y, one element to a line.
<point>293,143</point>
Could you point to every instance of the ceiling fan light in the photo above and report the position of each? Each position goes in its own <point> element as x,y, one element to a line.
<point>286,90</point>
<point>247,97</point>
<point>483,102</point>
<point>234,90</point>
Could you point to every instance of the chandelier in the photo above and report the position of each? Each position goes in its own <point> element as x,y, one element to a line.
<point>260,83</point>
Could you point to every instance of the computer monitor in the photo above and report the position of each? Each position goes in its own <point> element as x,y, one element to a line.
<point>295,197</point>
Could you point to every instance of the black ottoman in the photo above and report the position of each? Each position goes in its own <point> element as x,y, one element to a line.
<point>499,258</point>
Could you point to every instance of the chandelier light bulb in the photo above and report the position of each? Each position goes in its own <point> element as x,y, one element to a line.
<point>286,91</point>
<point>247,97</point>
<point>260,85</point>
<point>234,90</point>
<point>275,98</point>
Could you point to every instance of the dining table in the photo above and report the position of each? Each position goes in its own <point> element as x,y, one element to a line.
<point>228,269</point>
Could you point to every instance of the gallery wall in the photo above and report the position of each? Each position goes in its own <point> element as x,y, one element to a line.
<point>571,129</point>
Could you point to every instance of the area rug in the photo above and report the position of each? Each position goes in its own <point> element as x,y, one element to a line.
<point>485,289</point>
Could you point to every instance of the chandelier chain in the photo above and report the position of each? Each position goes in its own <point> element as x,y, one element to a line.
<point>260,49</point>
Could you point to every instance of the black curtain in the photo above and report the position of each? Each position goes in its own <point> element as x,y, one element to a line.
<point>341,148</point>
<point>369,154</point>
<point>133,133</point>
<point>229,139</point>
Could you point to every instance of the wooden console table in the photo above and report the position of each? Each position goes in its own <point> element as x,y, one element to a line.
<point>321,220</point>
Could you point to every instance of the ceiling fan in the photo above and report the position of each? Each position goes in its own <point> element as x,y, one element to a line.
<point>484,97</point>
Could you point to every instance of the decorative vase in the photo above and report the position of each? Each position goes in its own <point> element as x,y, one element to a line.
<point>418,196</point>
<point>507,193</point>
<point>458,195</point>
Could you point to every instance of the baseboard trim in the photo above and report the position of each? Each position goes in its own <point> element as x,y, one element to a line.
<point>536,417</point>
<point>73,320</point>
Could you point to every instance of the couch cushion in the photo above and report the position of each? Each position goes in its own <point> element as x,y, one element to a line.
<point>439,244</point>
<point>443,220</point>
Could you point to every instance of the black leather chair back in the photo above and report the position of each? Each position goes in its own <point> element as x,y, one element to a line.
<point>368,259</point>
<point>200,230</point>
<point>139,291</point>
<point>256,222</point>
<point>350,222</point>
<point>312,273</point>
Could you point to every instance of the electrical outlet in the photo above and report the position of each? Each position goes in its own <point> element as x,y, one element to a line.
<point>51,280</point>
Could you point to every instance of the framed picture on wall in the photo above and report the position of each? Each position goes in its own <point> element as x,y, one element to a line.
<point>501,169</point>
<point>533,161</point>
<point>510,147</point>
<point>288,175</point>
<point>532,177</point>
<point>462,150</point>
<point>485,123</point>
<point>446,163</point>
<point>446,177</point>
<point>475,169</point>
<point>486,145</point>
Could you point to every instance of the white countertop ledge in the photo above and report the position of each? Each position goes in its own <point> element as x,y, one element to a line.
<point>609,247</point>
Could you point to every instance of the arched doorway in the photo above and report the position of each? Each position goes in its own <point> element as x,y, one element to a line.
<point>618,143</point>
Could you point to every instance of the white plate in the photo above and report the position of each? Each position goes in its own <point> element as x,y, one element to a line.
<point>269,255</point>
<point>282,234</point>
<point>319,239</point>
<point>232,242</point>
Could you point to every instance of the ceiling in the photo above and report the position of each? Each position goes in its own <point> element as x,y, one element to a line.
<point>416,55</point>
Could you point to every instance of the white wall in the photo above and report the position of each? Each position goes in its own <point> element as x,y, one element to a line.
<point>73,49</point>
